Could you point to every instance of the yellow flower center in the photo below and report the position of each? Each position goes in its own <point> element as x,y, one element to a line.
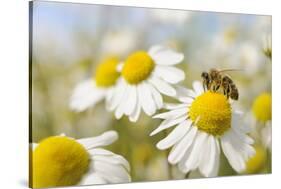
<point>256,163</point>
<point>262,107</point>
<point>106,73</point>
<point>59,161</point>
<point>212,112</point>
<point>137,67</point>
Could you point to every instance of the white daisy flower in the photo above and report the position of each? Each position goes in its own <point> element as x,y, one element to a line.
<point>144,77</point>
<point>119,42</point>
<point>262,113</point>
<point>202,120</point>
<point>91,91</point>
<point>64,161</point>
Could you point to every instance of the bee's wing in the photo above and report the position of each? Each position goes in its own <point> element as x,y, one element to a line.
<point>230,70</point>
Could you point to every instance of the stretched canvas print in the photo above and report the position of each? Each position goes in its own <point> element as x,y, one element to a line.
<point>125,94</point>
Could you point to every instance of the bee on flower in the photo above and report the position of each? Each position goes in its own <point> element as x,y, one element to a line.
<point>145,77</point>
<point>64,161</point>
<point>205,124</point>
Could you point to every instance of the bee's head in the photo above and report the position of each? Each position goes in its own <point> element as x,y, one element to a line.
<point>205,75</point>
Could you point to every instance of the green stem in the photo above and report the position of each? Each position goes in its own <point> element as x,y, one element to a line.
<point>169,166</point>
<point>187,175</point>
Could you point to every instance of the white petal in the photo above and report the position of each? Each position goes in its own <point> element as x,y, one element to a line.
<point>172,106</point>
<point>112,159</point>
<point>118,94</point>
<point>165,56</point>
<point>168,123</point>
<point>184,94</point>
<point>92,178</point>
<point>86,94</point>
<point>136,113</point>
<point>182,146</point>
<point>131,102</point>
<point>198,87</point>
<point>194,156</point>
<point>209,158</point>
<point>215,169</point>
<point>120,110</point>
<point>112,173</point>
<point>102,140</point>
<point>174,136</point>
<point>172,114</point>
<point>162,86</point>
<point>109,96</point>
<point>266,134</point>
<point>156,97</point>
<point>169,74</point>
<point>145,98</point>
<point>232,153</point>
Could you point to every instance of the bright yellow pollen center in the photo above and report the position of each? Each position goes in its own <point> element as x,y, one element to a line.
<point>212,112</point>
<point>106,73</point>
<point>137,67</point>
<point>256,163</point>
<point>59,161</point>
<point>262,107</point>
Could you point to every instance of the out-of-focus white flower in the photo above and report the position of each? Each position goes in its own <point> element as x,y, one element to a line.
<point>262,113</point>
<point>267,46</point>
<point>119,43</point>
<point>202,119</point>
<point>248,58</point>
<point>170,16</point>
<point>91,91</point>
<point>257,163</point>
<point>144,77</point>
<point>64,161</point>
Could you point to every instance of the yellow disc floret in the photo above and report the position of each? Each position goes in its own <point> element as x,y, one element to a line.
<point>137,67</point>
<point>212,112</point>
<point>59,161</point>
<point>106,72</point>
<point>262,107</point>
<point>256,163</point>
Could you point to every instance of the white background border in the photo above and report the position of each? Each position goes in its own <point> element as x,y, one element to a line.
<point>14,91</point>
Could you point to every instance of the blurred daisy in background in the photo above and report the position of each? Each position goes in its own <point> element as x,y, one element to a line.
<point>170,16</point>
<point>119,42</point>
<point>202,119</point>
<point>257,163</point>
<point>262,115</point>
<point>144,77</point>
<point>267,46</point>
<point>101,86</point>
<point>64,161</point>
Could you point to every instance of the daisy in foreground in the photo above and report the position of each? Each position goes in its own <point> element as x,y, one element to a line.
<point>204,121</point>
<point>64,161</point>
<point>145,76</point>
<point>95,89</point>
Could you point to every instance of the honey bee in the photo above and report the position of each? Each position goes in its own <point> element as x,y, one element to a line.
<point>215,79</point>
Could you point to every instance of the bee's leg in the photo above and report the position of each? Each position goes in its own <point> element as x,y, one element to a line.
<point>217,87</point>
<point>214,87</point>
<point>204,85</point>
<point>228,92</point>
